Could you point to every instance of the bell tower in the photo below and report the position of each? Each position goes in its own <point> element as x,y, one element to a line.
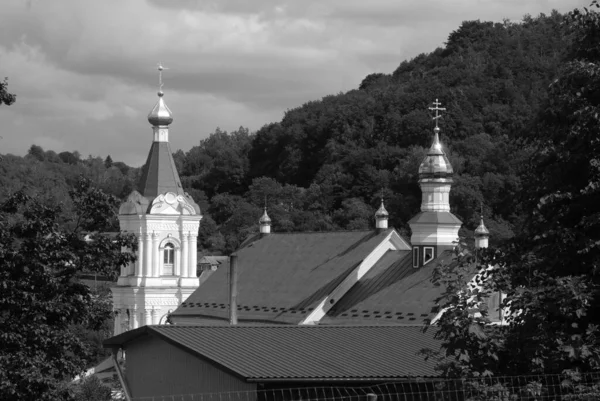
<point>165,221</point>
<point>434,229</point>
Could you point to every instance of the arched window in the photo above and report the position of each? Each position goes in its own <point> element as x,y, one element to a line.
<point>169,260</point>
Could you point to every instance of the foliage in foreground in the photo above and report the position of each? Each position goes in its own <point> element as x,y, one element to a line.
<point>548,274</point>
<point>41,299</point>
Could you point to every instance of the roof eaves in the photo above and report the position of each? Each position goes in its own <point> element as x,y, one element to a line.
<point>376,379</point>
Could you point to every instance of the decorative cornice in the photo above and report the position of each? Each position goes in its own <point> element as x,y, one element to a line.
<point>172,227</point>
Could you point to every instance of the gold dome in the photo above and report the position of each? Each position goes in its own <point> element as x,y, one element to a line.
<point>160,114</point>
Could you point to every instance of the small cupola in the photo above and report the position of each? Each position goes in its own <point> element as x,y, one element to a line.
<point>265,223</point>
<point>381,217</point>
<point>482,235</point>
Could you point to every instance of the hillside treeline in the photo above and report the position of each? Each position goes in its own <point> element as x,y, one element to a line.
<point>327,163</point>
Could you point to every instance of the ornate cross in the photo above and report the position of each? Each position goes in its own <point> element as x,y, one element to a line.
<point>436,107</point>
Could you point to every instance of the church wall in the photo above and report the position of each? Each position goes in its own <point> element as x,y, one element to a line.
<point>157,368</point>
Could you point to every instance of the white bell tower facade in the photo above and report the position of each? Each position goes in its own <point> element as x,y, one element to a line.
<point>165,221</point>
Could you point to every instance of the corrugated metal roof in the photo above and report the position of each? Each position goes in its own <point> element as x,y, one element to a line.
<point>392,292</point>
<point>263,353</point>
<point>282,276</point>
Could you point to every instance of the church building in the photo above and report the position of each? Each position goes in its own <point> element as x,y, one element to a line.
<point>308,308</point>
<point>370,277</point>
<point>373,277</point>
<point>165,221</point>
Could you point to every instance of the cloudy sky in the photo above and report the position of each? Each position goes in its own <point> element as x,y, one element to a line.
<point>85,77</point>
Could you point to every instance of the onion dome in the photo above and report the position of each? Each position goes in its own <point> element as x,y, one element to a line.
<point>435,164</point>
<point>381,212</point>
<point>265,219</point>
<point>481,230</point>
<point>160,114</point>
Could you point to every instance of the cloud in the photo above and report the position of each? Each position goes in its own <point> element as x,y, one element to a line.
<point>85,78</point>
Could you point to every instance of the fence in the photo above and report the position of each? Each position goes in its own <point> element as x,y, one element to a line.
<point>514,388</point>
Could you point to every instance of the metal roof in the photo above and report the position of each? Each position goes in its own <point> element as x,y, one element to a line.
<point>435,218</point>
<point>283,276</point>
<point>392,292</point>
<point>308,353</point>
<point>159,174</point>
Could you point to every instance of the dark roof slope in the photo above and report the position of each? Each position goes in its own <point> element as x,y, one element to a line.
<point>392,292</point>
<point>283,276</point>
<point>159,174</point>
<point>435,218</point>
<point>325,353</point>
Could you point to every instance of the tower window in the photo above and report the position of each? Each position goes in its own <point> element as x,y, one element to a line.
<point>169,260</point>
<point>415,256</point>
<point>428,254</point>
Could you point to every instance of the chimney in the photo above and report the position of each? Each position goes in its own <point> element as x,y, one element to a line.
<point>233,289</point>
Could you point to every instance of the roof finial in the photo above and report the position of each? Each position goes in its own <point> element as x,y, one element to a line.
<point>436,108</point>
<point>160,68</point>
<point>160,115</point>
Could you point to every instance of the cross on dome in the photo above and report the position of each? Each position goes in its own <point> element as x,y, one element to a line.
<point>160,69</point>
<point>160,115</point>
<point>437,109</point>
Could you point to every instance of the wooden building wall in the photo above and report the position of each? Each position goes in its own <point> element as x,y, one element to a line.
<point>155,367</point>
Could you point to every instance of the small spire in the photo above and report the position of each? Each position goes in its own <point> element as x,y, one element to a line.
<point>436,163</point>
<point>160,115</point>
<point>481,233</point>
<point>381,212</point>
<point>436,146</point>
<point>481,230</point>
<point>381,216</point>
<point>265,221</point>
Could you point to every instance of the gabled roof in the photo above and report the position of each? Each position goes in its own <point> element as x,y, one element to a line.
<point>324,353</point>
<point>159,174</point>
<point>283,276</point>
<point>392,292</point>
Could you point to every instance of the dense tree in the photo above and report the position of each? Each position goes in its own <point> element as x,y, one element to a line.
<point>41,298</point>
<point>108,162</point>
<point>69,157</point>
<point>37,153</point>
<point>548,272</point>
